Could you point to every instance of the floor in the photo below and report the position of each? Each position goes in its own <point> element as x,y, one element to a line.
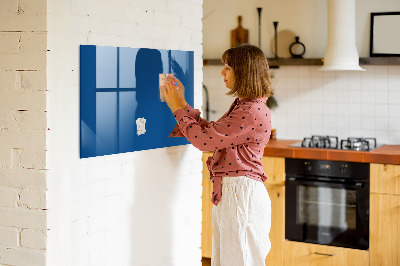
<point>206,261</point>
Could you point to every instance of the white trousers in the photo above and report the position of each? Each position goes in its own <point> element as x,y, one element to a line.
<point>241,223</point>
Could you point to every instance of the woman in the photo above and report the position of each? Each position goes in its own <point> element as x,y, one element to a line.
<point>242,208</point>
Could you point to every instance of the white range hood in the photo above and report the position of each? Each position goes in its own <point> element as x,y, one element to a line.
<point>341,51</point>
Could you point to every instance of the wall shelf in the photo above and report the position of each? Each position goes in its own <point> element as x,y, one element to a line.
<point>274,63</point>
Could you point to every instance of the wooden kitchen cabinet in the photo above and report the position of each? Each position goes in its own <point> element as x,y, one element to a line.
<point>385,215</point>
<point>277,233</point>
<point>305,254</point>
<point>385,178</point>
<point>206,225</point>
<point>274,168</point>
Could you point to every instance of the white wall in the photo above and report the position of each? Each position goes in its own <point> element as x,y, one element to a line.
<point>23,132</point>
<point>306,19</point>
<point>311,102</point>
<point>141,208</point>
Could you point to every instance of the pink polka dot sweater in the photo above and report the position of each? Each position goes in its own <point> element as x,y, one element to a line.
<point>238,139</point>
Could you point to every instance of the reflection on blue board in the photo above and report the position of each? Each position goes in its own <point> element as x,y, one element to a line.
<point>118,86</point>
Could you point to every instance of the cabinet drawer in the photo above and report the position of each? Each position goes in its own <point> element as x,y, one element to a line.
<point>297,254</point>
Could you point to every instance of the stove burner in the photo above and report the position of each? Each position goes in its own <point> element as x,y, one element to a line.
<point>358,144</point>
<point>328,142</point>
<point>332,142</point>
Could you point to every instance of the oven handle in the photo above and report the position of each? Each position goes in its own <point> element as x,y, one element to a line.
<point>357,185</point>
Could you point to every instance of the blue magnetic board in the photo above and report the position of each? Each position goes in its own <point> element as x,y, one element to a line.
<point>119,89</point>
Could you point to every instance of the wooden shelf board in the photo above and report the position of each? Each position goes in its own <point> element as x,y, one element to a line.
<point>275,62</point>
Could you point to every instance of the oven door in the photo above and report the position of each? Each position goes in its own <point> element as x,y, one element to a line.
<point>327,213</point>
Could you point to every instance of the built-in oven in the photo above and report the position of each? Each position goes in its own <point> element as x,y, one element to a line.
<point>327,202</point>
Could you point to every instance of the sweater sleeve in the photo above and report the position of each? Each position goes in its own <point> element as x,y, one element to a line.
<point>193,113</point>
<point>230,131</point>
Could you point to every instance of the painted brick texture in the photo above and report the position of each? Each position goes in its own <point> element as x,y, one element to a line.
<point>23,132</point>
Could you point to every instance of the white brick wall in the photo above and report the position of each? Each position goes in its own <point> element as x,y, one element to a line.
<point>141,208</point>
<point>23,132</point>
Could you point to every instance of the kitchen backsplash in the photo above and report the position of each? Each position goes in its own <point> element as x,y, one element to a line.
<point>314,102</point>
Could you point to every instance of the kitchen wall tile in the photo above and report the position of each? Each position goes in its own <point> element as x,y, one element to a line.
<point>381,110</point>
<point>315,72</point>
<point>317,108</point>
<point>304,82</point>
<point>292,82</point>
<point>342,122</point>
<point>394,82</point>
<point>381,97</point>
<point>329,122</point>
<point>291,71</point>
<point>355,109</point>
<point>354,122</point>
<point>342,109</point>
<point>381,136</point>
<point>394,137</point>
<point>367,133</point>
<point>317,121</point>
<point>394,110</point>
<point>381,84</point>
<point>342,96</point>
<point>328,74</point>
<point>342,80</point>
<point>342,133</point>
<point>354,80</point>
<point>317,95</point>
<point>329,93</point>
<point>329,109</point>
<point>394,97</point>
<point>394,123</point>
<point>355,96</point>
<point>355,132</point>
<point>381,123</point>
<point>380,71</point>
<point>316,82</point>
<point>317,131</point>
<point>367,110</point>
<point>367,82</point>
<point>367,96</point>
<point>366,100</point>
<point>393,71</point>
<point>304,72</point>
<point>367,123</point>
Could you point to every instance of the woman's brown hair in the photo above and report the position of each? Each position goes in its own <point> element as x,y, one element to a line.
<point>250,66</point>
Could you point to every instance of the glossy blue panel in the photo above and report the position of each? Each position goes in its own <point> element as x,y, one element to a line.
<point>127,125</point>
<point>106,123</point>
<point>120,85</point>
<point>127,78</point>
<point>106,67</point>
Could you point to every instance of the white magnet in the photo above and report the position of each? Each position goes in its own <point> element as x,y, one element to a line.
<point>141,126</point>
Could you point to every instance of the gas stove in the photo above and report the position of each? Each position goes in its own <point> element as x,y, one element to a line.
<point>332,142</point>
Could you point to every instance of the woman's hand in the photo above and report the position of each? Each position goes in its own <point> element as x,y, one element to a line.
<point>181,91</point>
<point>172,94</point>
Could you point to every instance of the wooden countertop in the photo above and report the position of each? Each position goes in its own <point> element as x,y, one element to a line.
<point>389,154</point>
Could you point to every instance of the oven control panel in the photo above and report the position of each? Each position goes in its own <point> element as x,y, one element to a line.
<point>337,169</point>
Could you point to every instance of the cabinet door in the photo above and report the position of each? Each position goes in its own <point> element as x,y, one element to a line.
<point>304,254</point>
<point>277,233</point>
<point>274,168</point>
<point>385,178</point>
<point>384,230</point>
<point>206,232</point>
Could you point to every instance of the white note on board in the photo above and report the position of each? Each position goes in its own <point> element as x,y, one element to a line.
<point>141,126</point>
